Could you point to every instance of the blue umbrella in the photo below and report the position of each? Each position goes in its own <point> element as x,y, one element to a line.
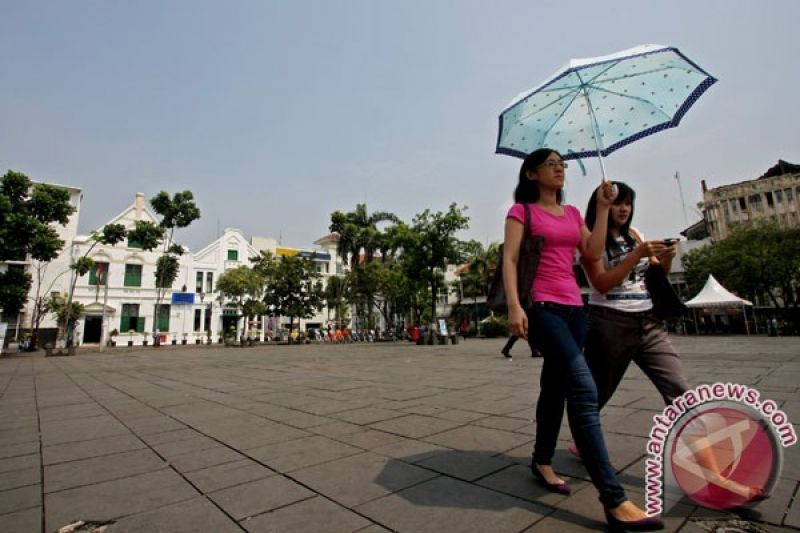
<point>594,106</point>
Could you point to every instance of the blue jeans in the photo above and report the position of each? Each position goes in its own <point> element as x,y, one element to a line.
<point>559,332</point>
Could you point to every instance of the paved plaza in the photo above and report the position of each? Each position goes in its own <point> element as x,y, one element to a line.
<point>336,438</point>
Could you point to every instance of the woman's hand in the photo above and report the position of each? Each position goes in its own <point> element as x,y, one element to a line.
<point>606,193</point>
<point>669,252</point>
<point>518,322</point>
<point>651,249</point>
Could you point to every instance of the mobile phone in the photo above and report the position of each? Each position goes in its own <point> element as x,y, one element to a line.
<point>670,241</point>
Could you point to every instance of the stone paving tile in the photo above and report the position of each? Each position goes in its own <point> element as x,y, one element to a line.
<point>17,450</point>
<point>275,395</point>
<point>191,516</point>
<point>366,415</point>
<point>20,498</point>
<point>467,466</point>
<point>360,478</point>
<point>256,497</point>
<point>73,451</point>
<point>81,410</point>
<point>97,469</point>
<point>301,453</point>
<point>19,463</point>
<point>476,438</point>
<point>60,431</point>
<point>195,443</point>
<point>29,520</point>
<point>228,475</point>
<point>113,499</point>
<point>445,504</point>
<point>415,426</point>
<point>197,460</point>
<point>21,478</point>
<point>308,516</point>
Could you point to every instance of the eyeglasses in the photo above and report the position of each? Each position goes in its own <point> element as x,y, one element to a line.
<point>554,164</point>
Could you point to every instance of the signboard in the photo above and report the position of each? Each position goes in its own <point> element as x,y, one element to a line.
<point>3,328</point>
<point>442,327</point>
<point>182,298</point>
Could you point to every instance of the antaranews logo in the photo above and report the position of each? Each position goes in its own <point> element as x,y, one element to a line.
<point>718,444</point>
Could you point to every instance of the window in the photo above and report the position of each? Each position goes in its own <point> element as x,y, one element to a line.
<point>98,274</point>
<point>778,196</point>
<point>789,195</point>
<point>197,319</point>
<point>755,202</point>
<point>198,283</point>
<point>130,320</point>
<point>770,202</point>
<point>209,282</point>
<point>321,268</point>
<point>233,255</point>
<point>742,205</point>
<point>133,275</point>
<point>163,318</point>
<point>207,325</point>
<point>134,244</point>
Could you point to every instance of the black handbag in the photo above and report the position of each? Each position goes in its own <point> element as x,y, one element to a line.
<point>530,251</point>
<point>666,304</point>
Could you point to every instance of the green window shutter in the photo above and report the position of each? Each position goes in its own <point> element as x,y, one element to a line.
<point>140,324</point>
<point>163,318</point>
<point>125,324</point>
<point>94,279</point>
<point>134,244</point>
<point>133,275</point>
<point>233,255</point>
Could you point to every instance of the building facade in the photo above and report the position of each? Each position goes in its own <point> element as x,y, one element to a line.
<point>772,197</point>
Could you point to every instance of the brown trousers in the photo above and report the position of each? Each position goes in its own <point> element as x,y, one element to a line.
<point>616,338</point>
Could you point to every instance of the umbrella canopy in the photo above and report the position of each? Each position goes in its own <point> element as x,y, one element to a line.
<point>715,295</point>
<point>594,106</point>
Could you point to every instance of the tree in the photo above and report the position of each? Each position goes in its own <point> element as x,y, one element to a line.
<point>761,260</point>
<point>334,296</point>
<point>475,280</point>
<point>359,236</point>
<point>27,215</point>
<point>431,244</point>
<point>292,286</point>
<point>245,287</point>
<point>176,212</point>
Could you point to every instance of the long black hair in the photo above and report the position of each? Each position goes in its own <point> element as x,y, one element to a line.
<point>625,193</point>
<point>527,191</point>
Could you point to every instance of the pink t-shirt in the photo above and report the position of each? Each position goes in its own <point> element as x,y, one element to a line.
<point>554,281</point>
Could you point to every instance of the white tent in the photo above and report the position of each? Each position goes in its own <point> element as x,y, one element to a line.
<point>714,294</point>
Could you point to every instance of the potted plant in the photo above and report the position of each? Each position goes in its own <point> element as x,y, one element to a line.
<point>208,337</point>
<point>198,337</point>
<point>144,338</point>
<point>111,335</point>
<point>183,341</point>
<point>174,336</point>
<point>131,333</point>
<point>220,337</point>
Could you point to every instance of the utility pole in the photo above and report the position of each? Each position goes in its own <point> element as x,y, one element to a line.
<point>683,202</point>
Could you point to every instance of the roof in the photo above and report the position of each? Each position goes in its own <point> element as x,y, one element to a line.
<point>331,237</point>
<point>780,168</point>
<point>714,294</point>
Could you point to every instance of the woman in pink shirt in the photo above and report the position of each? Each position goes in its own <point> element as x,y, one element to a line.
<point>557,321</point>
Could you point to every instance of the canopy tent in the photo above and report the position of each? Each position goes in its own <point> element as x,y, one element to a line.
<point>714,295</point>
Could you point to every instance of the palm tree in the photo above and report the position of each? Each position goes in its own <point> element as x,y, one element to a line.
<point>359,236</point>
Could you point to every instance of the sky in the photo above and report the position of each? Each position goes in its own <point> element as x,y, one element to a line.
<point>277,113</point>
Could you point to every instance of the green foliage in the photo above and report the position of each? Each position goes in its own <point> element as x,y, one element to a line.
<point>27,213</point>
<point>167,267</point>
<point>66,312</point>
<point>496,326</point>
<point>755,260</point>
<point>14,286</point>
<point>176,212</point>
<point>430,244</point>
<point>147,234</point>
<point>293,288</point>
